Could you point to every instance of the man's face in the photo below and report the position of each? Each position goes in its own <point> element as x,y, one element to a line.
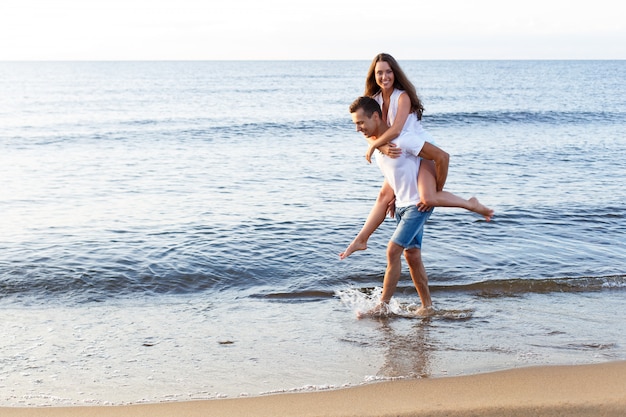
<point>364,124</point>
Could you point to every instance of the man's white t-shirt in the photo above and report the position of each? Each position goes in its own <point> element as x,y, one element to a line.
<point>401,173</point>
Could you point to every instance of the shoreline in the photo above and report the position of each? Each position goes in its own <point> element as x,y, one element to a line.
<point>572,390</point>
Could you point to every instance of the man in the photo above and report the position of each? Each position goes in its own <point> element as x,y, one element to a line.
<point>401,174</point>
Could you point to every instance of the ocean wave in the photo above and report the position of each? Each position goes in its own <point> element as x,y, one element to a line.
<point>518,287</point>
<point>295,259</point>
<point>490,288</point>
<point>523,117</point>
<point>95,284</point>
<point>332,126</point>
<point>210,129</point>
<point>150,130</point>
<point>98,286</point>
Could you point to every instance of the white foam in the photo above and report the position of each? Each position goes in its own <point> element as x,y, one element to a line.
<point>363,302</point>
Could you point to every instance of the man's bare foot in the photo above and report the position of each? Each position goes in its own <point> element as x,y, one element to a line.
<point>353,247</point>
<point>477,207</point>
<point>381,310</point>
<point>425,311</point>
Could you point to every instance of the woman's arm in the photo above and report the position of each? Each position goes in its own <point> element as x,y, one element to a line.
<point>404,108</point>
<point>389,149</point>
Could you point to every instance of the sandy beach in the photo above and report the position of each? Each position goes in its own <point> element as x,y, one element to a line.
<point>583,390</point>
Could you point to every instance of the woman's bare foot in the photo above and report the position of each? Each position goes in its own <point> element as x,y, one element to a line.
<point>353,247</point>
<point>477,207</point>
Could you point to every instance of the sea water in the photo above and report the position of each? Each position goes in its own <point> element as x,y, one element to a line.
<point>171,230</point>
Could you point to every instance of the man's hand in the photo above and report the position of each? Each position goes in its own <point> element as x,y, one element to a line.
<point>391,208</point>
<point>423,207</point>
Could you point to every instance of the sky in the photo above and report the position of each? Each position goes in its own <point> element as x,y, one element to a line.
<point>310,30</point>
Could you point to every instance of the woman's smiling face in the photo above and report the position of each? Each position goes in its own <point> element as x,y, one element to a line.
<point>384,75</point>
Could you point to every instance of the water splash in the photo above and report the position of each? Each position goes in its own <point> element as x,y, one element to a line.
<point>363,301</point>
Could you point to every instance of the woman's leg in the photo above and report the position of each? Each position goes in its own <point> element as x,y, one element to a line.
<point>431,197</point>
<point>374,219</point>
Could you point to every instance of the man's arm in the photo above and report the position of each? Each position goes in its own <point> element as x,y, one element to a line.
<point>441,159</point>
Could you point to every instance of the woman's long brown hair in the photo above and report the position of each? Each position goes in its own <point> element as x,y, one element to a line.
<point>401,82</point>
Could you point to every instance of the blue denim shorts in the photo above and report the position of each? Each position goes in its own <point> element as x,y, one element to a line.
<point>410,227</point>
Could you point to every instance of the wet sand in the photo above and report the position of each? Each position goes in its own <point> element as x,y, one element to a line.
<point>583,390</point>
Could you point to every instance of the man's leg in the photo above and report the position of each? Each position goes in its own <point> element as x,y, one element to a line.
<point>420,279</point>
<point>390,282</point>
<point>392,274</point>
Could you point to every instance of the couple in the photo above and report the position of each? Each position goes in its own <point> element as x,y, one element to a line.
<point>415,172</point>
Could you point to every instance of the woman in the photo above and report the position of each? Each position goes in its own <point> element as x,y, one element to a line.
<point>402,110</point>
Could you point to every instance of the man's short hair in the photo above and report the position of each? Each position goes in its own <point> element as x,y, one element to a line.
<point>368,104</point>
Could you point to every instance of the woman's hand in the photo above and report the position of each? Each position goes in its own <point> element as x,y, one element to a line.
<point>368,154</point>
<point>391,150</point>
